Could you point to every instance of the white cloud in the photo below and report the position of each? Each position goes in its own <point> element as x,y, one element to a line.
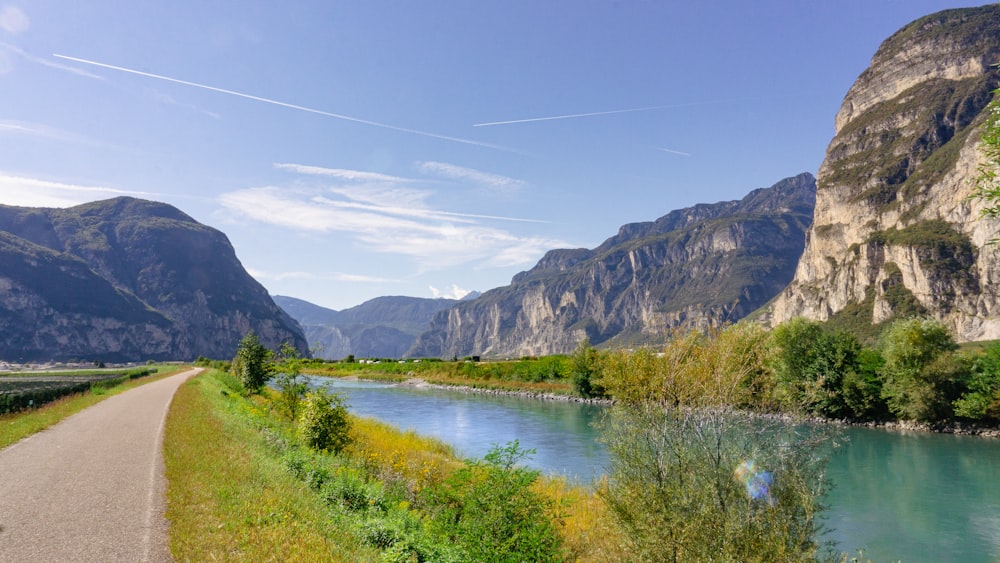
<point>13,20</point>
<point>340,173</point>
<point>462,173</point>
<point>46,62</point>
<point>389,219</point>
<point>311,276</point>
<point>453,292</point>
<point>34,192</point>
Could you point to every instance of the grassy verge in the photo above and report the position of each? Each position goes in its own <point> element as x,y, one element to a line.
<point>230,498</point>
<point>19,425</point>
<point>243,488</point>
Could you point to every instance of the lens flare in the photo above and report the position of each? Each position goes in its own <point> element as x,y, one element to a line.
<point>757,482</point>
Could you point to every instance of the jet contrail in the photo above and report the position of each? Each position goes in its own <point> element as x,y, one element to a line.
<point>593,113</point>
<point>287,105</point>
<point>672,151</point>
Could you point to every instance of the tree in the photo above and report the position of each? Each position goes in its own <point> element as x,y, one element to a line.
<point>250,365</point>
<point>585,366</point>
<point>289,380</point>
<point>921,375</point>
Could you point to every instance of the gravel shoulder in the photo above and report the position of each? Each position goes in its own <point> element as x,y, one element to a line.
<point>91,488</point>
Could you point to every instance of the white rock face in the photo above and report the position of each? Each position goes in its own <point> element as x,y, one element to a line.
<point>905,160</point>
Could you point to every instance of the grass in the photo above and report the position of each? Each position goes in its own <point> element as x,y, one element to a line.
<point>230,499</point>
<point>240,488</point>
<point>19,425</point>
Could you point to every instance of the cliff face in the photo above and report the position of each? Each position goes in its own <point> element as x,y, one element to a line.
<point>126,279</point>
<point>894,233</point>
<point>693,267</point>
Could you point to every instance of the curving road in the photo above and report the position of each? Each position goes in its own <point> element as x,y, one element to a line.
<point>91,488</point>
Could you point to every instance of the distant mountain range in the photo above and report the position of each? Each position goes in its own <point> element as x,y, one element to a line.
<point>692,267</point>
<point>384,327</point>
<point>125,280</point>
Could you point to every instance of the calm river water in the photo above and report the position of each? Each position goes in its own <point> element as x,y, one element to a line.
<point>899,496</point>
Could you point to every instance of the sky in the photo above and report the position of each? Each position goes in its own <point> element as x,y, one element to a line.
<point>357,149</point>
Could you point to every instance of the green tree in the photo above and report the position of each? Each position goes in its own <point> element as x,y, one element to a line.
<point>489,510</point>
<point>921,375</point>
<point>289,380</point>
<point>810,364</point>
<point>981,402</point>
<point>323,422</point>
<point>585,365</point>
<point>250,365</point>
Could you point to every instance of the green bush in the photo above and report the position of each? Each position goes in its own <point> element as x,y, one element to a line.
<point>489,510</point>
<point>585,366</point>
<point>323,423</point>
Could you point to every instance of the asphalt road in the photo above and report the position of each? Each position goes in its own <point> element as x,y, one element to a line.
<point>91,488</point>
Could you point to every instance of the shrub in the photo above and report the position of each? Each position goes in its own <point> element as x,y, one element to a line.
<point>489,510</point>
<point>323,423</point>
<point>982,400</point>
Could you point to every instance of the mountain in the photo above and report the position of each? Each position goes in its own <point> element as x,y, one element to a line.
<point>123,280</point>
<point>693,267</point>
<point>384,327</point>
<point>894,232</point>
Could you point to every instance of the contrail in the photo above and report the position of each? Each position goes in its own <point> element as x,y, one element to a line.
<point>671,151</point>
<point>287,105</point>
<point>593,113</point>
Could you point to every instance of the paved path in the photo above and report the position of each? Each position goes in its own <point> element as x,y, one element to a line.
<point>91,488</point>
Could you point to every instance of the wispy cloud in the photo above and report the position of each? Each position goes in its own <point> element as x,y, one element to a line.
<point>288,105</point>
<point>384,214</point>
<point>13,20</point>
<point>312,276</point>
<point>455,172</point>
<point>46,62</point>
<point>34,192</point>
<point>340,173</point>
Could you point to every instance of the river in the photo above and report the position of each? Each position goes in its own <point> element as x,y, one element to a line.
<point>899,496</point>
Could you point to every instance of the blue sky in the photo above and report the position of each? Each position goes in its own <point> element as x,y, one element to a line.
<point>356,149</point>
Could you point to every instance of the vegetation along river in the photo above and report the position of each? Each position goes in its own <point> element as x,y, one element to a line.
<point>899,496</point>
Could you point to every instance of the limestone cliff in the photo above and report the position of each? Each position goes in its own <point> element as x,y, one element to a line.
<point>894,233</point>
<point>693,267</point>
<point>126,279</point>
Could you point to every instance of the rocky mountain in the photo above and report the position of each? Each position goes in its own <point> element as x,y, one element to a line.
<point>124,280</point>
<point>894,232</point>
<point>692,267</point>
<point>384,327</point>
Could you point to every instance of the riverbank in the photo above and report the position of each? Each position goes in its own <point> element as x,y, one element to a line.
<point>956,428</point>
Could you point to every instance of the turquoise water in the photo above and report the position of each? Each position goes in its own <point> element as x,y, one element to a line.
<point>899,496</point>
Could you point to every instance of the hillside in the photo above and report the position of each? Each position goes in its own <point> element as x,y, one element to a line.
<point>894,232</point>
<point>693,267</point>
<point>384,327</point>
<point>126,280</point>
